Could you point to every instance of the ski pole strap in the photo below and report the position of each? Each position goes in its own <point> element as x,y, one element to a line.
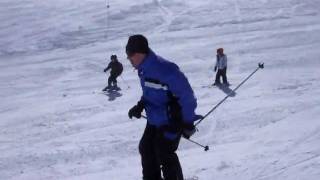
<point>260,66</point>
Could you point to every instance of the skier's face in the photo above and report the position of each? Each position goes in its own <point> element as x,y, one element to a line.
<point>135,59</point>
<point>132,60</point>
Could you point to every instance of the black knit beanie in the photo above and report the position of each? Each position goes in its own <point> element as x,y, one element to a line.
<point>137,44</point>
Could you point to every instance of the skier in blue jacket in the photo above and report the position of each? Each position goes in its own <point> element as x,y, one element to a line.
<point>169,103</point>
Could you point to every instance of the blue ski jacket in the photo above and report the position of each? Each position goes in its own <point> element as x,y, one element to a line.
<point>160,81</point>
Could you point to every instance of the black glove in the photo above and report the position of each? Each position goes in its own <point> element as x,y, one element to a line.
<point>198,117</point>
<point>215,68</point>
<point>136,110</point>
<point>188,130</point>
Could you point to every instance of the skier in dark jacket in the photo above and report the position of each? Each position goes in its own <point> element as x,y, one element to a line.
<point>221,68</point>
<point>116,70</point>
<point>170,106</point>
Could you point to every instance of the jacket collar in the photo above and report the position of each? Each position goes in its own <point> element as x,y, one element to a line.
<point>147,62</point>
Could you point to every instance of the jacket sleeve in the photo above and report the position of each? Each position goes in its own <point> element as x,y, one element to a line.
<point>108,67</point>
<point>178,84</point>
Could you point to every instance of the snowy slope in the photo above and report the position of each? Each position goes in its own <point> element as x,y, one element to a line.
<point>54,124</point>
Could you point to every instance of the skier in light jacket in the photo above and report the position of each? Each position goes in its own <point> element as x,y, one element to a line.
<point>221,68</point>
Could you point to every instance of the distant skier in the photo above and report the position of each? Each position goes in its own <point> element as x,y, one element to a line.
<point>221,68</point>
<point>169,102</point>
<point>116,70</point>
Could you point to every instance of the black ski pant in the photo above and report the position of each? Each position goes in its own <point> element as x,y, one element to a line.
<point>112,80</point>
<point>158,153</point>
<point>223,73</point>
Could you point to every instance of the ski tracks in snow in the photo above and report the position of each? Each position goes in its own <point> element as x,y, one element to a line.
<point>289,150</point>
<point>168,16</point>
<point>285,168</point>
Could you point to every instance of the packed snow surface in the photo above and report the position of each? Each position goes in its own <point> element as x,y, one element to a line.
<point>56,125</point>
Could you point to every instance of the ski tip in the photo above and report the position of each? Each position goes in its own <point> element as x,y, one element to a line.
<point>261,65</point>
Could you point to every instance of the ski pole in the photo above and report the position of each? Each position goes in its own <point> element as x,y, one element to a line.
<point>260,66</point>
<point>107,20</point>
<point>206,148</point>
